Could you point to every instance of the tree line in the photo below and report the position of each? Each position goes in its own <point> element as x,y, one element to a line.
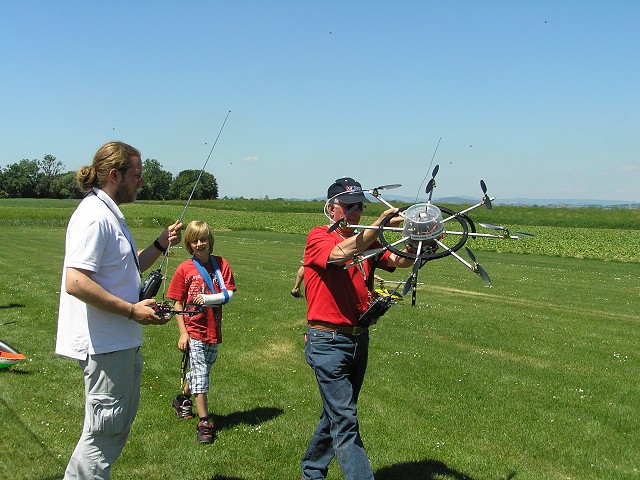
<point>46,178</point>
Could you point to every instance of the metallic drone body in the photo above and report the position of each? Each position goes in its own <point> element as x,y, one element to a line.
<point>424,230</point>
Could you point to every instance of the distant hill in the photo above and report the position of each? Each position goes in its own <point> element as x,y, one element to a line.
<point>525,202</point>
<point>542,202</point>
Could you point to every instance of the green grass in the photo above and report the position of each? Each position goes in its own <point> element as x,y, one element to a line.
<point>534,378</point>
<point>592,233</point>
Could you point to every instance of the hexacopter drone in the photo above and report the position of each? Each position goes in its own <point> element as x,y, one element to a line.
<point>430,235</point>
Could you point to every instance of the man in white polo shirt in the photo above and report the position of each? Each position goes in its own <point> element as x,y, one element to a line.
<point>100,317</point>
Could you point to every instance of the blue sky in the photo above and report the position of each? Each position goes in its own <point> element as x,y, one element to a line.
<point>540,99</point>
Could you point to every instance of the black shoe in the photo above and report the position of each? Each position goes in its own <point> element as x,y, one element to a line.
<point>182,406</point>
<point>204,432</point>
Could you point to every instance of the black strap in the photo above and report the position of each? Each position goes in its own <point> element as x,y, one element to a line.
<point>133,250</point>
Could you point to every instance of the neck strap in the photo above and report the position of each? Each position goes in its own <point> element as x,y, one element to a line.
<point>125,230</point>
<point>207,278</point>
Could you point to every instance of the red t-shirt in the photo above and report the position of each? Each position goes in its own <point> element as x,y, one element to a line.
<point>187,283</point>
<point>335,294</point>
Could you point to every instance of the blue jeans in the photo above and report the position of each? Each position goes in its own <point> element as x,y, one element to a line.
<point>339,362</point>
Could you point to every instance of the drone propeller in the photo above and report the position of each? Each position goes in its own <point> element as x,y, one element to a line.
<point>359,257</point>
<point>477,267</point>
<point>412,281</point>
<point>494,227</point>
<point>396,282</point>
<point>485,199</point>
<point>432,183</point>
<point>504,230</point>
<point>342,222</point>
<point>374,191</point>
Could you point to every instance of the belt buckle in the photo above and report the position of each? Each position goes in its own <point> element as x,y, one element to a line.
<point>355,331</point>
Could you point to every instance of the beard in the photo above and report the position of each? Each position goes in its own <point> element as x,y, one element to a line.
<point>125,194</point>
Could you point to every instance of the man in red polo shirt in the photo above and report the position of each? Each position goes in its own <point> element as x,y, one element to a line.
<point>336,346</point>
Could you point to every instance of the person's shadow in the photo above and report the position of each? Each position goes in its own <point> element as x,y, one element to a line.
<point>424,470</point>
<point>254,416</point>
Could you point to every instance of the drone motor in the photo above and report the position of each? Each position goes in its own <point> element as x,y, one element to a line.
<point>422,222</point>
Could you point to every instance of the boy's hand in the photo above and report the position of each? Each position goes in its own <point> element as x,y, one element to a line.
<point>199,300</point>
<point>183,341</point>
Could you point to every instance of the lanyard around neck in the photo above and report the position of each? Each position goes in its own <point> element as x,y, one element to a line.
<point>207,278</point>
<point>125,231</point>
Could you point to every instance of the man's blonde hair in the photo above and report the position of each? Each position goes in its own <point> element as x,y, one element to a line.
<point>116,155</point>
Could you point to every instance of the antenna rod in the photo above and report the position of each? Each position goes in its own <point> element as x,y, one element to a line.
<point>203,167</point>
<point>428,169</point>
<point>166,252</point>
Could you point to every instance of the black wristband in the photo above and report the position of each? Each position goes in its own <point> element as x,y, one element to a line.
<point>156,244</point>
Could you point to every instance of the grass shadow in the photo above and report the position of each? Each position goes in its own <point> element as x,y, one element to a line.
<point>11,305</point>
<point>222,477</point>
<point>22,432</point>
<point>15,370</point>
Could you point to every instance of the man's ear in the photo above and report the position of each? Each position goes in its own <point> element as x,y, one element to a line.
<point>331,208</point>
<point>113,175</point>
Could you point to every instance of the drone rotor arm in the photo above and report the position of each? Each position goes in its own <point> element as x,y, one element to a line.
<point>465,211</point>
<point>454,255</point>
<point>370,253</point>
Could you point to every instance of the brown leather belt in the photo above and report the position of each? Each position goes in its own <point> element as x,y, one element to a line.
<point>332,327</point>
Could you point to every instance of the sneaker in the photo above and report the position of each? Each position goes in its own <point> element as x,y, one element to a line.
<point>204,432</point>
<point>182,406</point>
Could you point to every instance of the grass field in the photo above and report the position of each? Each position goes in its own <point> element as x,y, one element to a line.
<point>535,378</point>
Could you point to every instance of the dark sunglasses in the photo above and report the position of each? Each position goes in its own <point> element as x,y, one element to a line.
<point>358,206</point>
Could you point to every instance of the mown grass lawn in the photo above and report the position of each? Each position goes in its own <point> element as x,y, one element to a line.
<point>533,378</point>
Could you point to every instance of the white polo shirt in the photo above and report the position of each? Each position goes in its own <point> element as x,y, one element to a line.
<point>98,240</point>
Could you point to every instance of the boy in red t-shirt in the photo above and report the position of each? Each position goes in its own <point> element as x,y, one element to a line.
<point>204,280</point>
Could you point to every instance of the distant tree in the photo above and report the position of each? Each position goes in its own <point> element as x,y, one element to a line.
<point>2,192</point>
<point>65,185</point>
<point>157,181</point>
<point>48,169</point>
<point>207,188</point>
<point>20,180</point>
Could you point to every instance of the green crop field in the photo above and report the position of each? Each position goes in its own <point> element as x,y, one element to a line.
<point>534,378</point>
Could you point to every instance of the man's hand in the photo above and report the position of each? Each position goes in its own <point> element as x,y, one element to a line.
<point>144,313</point>
<point>173,234</point>
<point>394,221</point>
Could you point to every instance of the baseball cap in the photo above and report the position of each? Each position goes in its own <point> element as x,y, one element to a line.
<point>347,190</point>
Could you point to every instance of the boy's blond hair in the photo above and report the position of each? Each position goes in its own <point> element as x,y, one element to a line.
<point>196,230</point>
